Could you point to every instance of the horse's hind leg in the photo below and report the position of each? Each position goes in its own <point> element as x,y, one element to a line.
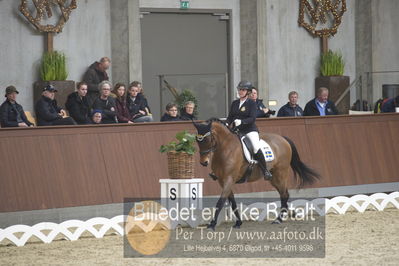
<point>280,182</point>
<point>233,203</point>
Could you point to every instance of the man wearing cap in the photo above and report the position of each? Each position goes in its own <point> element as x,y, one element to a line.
<point>242,116</point>
<point>47,111</point>
<point>12,113</point>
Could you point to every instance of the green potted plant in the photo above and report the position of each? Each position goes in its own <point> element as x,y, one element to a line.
<point>53,70</point>
<point>180,155</point>
<point>332,68</point>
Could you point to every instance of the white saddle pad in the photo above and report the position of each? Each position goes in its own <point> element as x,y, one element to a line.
<point>266,149</point>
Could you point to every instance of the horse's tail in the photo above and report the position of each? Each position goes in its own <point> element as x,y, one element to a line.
<point>307,175</point>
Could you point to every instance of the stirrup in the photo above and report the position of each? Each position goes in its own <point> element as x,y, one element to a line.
<point>267,174</point>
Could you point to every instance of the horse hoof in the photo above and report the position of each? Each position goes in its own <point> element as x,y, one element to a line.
<point>214,177</point>
<point>211,226</point>
<point>237,225</point>
<point>277,221</point>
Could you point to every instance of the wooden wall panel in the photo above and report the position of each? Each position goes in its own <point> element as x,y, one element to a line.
<point>53,167</point>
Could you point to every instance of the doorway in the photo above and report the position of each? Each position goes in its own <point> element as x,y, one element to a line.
<point>189,51</point>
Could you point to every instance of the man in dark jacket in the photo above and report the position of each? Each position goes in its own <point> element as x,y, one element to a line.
<point>47,111</point>
<point>94,76</point>
<point>78,106</point>
<point>106,104</point>
<point>320,106</point>
<point>291,108</point>
<point>12,113</point>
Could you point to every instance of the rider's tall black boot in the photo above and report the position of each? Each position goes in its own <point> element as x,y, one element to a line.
<point>262,163</point>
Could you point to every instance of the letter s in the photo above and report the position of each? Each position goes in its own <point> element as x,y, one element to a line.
<point>194,193</point>
<point>172,193</point>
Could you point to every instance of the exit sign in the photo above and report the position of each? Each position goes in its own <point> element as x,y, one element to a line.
<point>184,4</point>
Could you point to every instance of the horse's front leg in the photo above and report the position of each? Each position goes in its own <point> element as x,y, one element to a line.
<point>233,203</point>
<point>227,185</point>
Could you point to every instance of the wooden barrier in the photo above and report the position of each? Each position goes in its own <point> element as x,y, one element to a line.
<point>55,167</point>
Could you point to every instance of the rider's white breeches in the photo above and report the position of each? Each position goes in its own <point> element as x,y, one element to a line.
<point>254,138</point>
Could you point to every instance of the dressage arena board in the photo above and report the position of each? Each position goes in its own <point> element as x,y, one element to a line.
<point>359,229</point>
<point>354,238</point>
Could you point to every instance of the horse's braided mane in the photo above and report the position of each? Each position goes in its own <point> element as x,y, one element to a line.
<point>214,119</point>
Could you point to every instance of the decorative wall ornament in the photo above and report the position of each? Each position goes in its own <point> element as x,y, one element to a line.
<point>73,229</point>
<point>327,13</point>
<point>45,7</point>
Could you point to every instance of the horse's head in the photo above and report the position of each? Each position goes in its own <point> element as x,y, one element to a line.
<point>205,142</point>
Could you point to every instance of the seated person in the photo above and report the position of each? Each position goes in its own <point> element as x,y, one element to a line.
<point>122,112</point>
<point>291,108</point>
<point>11,113</point>
<point>171,113</point>
<point>261,110</point>
<point>78,105</point>
<point>47,111</point>
<point>187,113</point>
<point>320,106</point>
<point>105,103</point>
<point>136,106</point>
<point>390,105</point>
<point>96,117</point>
<point>141,95</point>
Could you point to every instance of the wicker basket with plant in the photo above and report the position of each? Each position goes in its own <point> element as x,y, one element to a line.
<point>180,156</point>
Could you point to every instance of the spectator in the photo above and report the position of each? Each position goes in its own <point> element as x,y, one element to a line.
<point>390,105</point>
<point>47,111</point>
<point>291,108</point>
<point>187,113</point>
<point>261,110</point>
<point>141,95</point>
<point>12,113</point>
<point>122,112</point>
<point>136,106</point>
<point>105,103</point>
<point>78,106</point>
<point>320,106</point>
<point>94,76</point>
<point>171,113</point>
<point>96,117</point>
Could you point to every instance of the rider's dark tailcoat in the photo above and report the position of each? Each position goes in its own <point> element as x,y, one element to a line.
<point>246,113</point>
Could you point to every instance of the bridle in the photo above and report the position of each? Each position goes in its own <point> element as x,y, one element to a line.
<point>201,138</point>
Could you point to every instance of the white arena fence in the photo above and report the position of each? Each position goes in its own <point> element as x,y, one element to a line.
<point>74,229</point>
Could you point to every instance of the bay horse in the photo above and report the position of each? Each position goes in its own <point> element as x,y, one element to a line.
<point>221,146</point>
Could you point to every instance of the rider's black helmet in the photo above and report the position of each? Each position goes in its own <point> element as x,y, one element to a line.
<point>245,84</point>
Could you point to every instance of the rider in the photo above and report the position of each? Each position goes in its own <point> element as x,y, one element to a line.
<point>243,115</point>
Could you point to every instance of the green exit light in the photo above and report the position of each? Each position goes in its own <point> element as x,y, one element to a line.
<point>184,4</point>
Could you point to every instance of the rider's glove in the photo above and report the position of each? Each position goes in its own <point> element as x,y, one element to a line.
<point>237,122</point>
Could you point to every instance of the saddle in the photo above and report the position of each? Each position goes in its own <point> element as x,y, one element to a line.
<point>248,150</point>
<point>249,156</point>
